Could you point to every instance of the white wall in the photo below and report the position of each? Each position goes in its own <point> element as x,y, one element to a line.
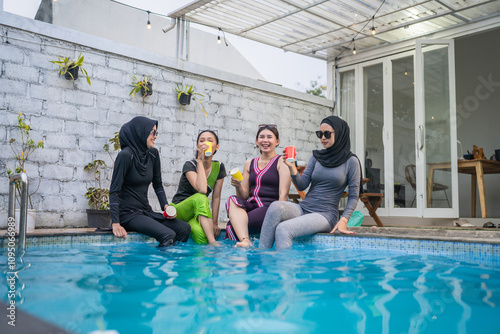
<point>75,122</point>
<point>128,26</point>
<point>478,110</point>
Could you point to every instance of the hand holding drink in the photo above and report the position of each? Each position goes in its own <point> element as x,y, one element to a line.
<point>170,212</point>
<point>208,151</point>
<point>235,172</point>
<point>290,154</point>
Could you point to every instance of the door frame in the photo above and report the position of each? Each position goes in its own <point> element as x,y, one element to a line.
<point>420,148</point>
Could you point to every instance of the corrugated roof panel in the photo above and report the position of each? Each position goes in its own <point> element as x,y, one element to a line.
<point>482,11</point>
<point>327,26</point>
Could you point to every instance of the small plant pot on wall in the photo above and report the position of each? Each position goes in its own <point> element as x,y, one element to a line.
<point>184,99</point>
<point>70,68</point>
<point>149,90</point>
<point>98,218</point>
<point>72,73</point>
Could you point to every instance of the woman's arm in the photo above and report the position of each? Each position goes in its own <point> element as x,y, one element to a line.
<point>120,169</point>
<point>198,179</point>
<point>157,182</point>
<point>243,187</point>
<point>301,182</point>
<point>285,180</point>
<point>353,181</point>
<point>216,205</point>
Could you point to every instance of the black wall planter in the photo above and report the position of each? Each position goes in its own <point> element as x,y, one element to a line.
<point>185,99</point>
<point>98,218</point>
<point>150,89</point>
<point>74,73</point>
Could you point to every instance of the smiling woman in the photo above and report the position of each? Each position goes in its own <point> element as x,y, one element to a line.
<point>136,167</point>
<point>265,180</point>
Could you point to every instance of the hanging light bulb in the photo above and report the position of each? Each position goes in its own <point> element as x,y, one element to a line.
<point>354,48</point>
<point>406,72</point>
<point>373,31</point>
<point>373,25</point>
<point>219,40</point>
<point>149,22</point>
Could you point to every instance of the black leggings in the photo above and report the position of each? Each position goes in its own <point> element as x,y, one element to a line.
<point>166,232</point>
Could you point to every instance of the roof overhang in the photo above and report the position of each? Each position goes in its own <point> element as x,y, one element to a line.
<point>325,29</point>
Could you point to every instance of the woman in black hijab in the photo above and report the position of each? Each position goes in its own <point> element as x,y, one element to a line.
<point>136,167</point>
<point>328,172</point>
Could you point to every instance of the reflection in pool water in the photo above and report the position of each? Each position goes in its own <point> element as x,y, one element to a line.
<point>135,288</point>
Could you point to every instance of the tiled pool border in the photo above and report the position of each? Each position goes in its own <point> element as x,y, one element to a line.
<point>409,245</point>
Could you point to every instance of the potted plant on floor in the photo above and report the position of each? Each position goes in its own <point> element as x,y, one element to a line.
<point>22,149</point>
<point>99,215</point>
<point>145,86</point>
<point>69,68</point>
<point>186,93</point>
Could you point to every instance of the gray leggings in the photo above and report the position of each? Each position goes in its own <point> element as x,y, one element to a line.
<point>286,221</point>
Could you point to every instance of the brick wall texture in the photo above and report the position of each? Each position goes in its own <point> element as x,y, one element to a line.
<point>75,120</point>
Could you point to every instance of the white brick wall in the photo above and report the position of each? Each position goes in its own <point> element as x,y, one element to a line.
<point>76,120</point>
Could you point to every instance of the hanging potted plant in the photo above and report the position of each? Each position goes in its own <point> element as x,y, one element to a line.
<point>99,215</point>
<point>186,93</point>
<point>70,68</point>
<point>145,86</point>
<point>22,152</point>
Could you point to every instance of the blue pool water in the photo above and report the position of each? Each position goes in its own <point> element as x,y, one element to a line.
<point>135,288</point>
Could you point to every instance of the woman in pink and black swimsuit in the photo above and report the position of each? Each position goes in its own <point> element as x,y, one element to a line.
<point>265,179</point>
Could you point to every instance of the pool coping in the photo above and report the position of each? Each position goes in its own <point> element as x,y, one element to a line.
<point>445,234</point>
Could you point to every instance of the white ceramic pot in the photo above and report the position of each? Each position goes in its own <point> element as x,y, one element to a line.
<point>30,219</point>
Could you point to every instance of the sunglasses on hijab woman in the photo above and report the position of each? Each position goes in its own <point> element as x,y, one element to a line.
<point>327,134</point>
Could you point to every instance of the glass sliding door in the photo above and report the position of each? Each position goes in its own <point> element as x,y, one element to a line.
<point>403,132</point>
<point>373,116</point>
<point>347,102</point>
<point>436,127</point>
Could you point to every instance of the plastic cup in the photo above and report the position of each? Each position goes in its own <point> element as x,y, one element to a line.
<point>208,151</point>
<point>235,172</point>
<point>171,212</point>
<point>300,163</point>
<point>290,153</point>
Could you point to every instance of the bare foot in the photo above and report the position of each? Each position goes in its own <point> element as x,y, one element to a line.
<point>244,243</point>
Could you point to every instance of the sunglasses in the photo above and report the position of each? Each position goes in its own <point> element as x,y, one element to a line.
<point>268,126</point>
<point>154,133</point>
<point>327,134</point>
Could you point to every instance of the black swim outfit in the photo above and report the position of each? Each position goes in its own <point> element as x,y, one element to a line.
<point>136,167</point>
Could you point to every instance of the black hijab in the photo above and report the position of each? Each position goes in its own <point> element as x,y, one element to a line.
<point>134,134</point>
<point>340,151</point>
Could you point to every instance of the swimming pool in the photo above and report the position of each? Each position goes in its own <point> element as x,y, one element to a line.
<point>135,288</point>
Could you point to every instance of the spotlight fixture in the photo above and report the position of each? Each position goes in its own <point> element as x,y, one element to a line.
<point>354,48</point>
<point>149,22</point>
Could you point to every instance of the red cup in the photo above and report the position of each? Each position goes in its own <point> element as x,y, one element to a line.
<point>290,153</point>
<point>171,212</point>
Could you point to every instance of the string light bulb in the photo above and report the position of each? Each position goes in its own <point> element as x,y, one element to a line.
<point>373,25</point>
<point>373,31</point>
<point>219,39</point>
<point>149,22</point>
<point>354,48</point>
